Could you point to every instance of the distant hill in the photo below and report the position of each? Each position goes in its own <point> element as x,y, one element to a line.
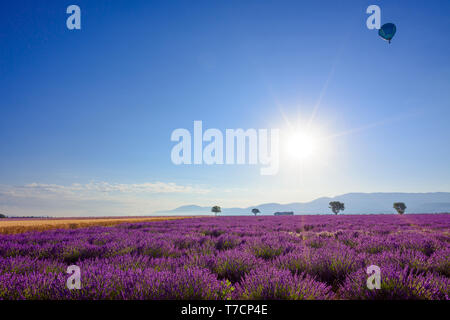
<point>355,203</point>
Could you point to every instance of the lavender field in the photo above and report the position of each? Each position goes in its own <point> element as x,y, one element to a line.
<point>296,257</point>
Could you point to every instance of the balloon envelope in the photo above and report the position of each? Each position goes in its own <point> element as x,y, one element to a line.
<point>387,31</point>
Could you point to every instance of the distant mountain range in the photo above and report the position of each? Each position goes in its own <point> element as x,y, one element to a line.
<point>355,203</point>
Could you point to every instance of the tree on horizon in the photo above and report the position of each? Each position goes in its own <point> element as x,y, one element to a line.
<point>255,211</point>
<point>336,206</point>
<point>400,207</point>
<point>216,210</point>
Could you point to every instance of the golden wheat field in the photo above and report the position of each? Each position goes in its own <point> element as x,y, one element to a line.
<point>10,226</point>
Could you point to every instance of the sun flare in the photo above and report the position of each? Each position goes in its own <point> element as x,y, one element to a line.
<point>302,145</point>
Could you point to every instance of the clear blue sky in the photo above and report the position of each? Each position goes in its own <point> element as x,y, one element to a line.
<point>86,115</point>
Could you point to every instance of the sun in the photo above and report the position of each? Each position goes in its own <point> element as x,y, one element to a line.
<point>302,145</point>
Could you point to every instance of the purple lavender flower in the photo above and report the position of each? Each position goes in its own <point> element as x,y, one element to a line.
<point>297,257</point>
<point>274,284</point>
<point>396,284</point>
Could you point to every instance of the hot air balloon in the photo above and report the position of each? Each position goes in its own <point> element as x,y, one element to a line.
<point>387,31</point>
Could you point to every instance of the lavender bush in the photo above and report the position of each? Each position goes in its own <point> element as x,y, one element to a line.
<point>296,257</point>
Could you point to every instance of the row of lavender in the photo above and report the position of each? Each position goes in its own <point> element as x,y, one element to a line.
<point>297,257</point>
